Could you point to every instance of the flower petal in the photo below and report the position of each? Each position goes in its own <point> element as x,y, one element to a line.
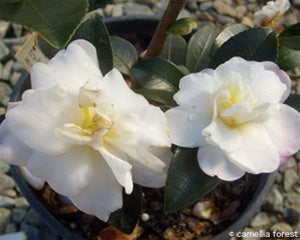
<point>219,134</point>
<point>69,173</point>
<point>103,195</point>
<point>34,181</point>
<point>256,153</point>
<point>283,129</point>
<point>41,112</point>
<point>185,129</point>
<point>213,162</point>
<point>121,96</point>
<point>266,86</point>
<point>284,78</point>
<point>195,92</point>
<point>12,150</point>
<point>149,177</point>
<point>143,171</point>
<point>72,67</point>
<point>151,127</point>
<point>120,168</point>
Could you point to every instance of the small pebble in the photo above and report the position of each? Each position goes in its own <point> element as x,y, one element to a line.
<point>14,236</point>
<point>18,215</point>
<point>290,178</point>
<point>4,218</point>
<point>145,217</point>
<point>261,220</point>
<point>72,225</point>
<point>10,228</point>
<point>282,227</point>
<point>21,202</point>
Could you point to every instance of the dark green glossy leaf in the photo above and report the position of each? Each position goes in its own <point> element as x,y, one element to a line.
<point>186,183</point>
<point>199,47</point>
<point>175,49</point>
<point>227,33</point>
<point>157,73</point>
<point>94,30</point>
<point>125,54</point>
<point>126,218</point>
<point>158,96</point>
<point>258,44</point>
<point>294,101</point>
<point>46,48</point>
<point>288,59</point>
<point>290,37</point>
<point>55,20</point>
<point>183,69</point>
<point>183,26</point>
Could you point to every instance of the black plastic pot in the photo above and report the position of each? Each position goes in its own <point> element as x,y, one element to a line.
<point>142,26</point>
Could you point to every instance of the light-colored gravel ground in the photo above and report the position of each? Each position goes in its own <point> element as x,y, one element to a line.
<point>281,210</point>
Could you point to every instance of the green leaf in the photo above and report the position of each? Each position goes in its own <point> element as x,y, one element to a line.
<point>199,47</point>
<point>258,44</point>
<point>288,59</point>
<point>125,54</point>
<point>290,37</point>
<point>94,30</point>
<point>55,20</point>
<point>175,49</point>
<point>227,33</point>
<point>294,101</point>
<point>186,183</point>
<point>183,26</point>
<point>158,96</point>
<point>126,218</point>
<point>158,74</point>
<point>46,48</point>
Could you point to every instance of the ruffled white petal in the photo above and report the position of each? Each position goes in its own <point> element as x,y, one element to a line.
<point>149,177</point>
<point>34,181</point>
<point>283,127</point>
<point>103,195</point>
<point>219,134</point>
<point>153,130</point>
<point>120,168</point>
<point>185,128</point>
<point>195,92</point>
<point>69,173</point>
<point>265,86</point>
<point>214,162</point>
<point>271,12</point>
<point>72,67</point>
<point>284,78</point>
<point>41,112</point>
<point>256,153</point>
<point>143,122</point>
<point>121,96</point>
<point>12,150</point>
<point>144,172</point>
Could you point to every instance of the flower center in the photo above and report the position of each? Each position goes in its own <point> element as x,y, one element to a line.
<point>234,102</point>
<point>93,127</point>
<point>93,120</point>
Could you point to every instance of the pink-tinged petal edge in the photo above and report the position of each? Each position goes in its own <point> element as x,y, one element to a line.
<point>12,105</point>
<point>284,160</point>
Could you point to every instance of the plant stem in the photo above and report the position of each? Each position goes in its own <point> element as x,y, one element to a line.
<point>170,15</point>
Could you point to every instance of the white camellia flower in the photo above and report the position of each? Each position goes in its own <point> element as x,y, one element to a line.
<point>87,135</point>
<point>235,116</point>
<point>269,14</point>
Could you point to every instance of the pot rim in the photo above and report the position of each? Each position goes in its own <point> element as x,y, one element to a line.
<point>263,187</point>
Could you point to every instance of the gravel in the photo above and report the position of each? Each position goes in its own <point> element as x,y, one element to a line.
<point>19,221</point>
